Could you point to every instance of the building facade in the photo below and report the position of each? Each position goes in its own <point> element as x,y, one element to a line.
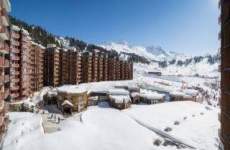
<point>4,61</point>
<point>37,63</point>
<point>25,64</point>
<point>52,66</point>
<point>87,67</point>
<point>225,73</point>
<point>15,63</point>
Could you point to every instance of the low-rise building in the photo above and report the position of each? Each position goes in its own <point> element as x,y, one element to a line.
<point>75,96</point>
<point>119,98</point>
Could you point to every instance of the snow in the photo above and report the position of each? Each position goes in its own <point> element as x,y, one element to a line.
<point>120,98</point>
<point>71,89</point>
<point>15,28</point>
<point>66,102</point>
<point>194,128</point>
<point>23,129</point>
<point>150,53</point>
<point>151,95</point>
<point>102,127</point>
<point>117,91</point>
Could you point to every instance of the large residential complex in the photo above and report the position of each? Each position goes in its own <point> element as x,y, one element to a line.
<point>70,66</point>
<point>225,73</point>
<point>26,66</point>
<point>4,61</point>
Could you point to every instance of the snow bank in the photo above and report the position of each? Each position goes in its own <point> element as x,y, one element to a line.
<point>197,125</point>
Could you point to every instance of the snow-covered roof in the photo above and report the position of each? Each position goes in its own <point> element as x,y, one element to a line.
<point>15,28</point>
<point>71,89</point>
<point>120,98</point>
<point>134,94</point>
<point>177,93</point>
<point>153,95</point>
<point>25,32</point>
<point>191,92</point>
<point>51,45</point>
<point>66,102</point>
<point>41,46</point>
<point>117,91</point>
<point>52,93</point>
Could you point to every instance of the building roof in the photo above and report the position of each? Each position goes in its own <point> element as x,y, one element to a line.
<point>71,89</point>
<point>15,28</point>
<point>117,91</point>
<point>120,98</point>
<point>51,45</point>
<point>152,95</point>
<point>66,102</point>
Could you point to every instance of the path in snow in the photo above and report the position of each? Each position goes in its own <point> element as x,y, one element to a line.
<point>166,136</point>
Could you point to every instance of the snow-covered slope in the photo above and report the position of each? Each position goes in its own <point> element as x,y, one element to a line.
<point>151,52</point>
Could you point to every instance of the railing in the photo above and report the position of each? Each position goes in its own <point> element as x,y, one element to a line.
<point>1,61</point>
<point>5,15</point>
<point>4,32</point>
<point>1,103</point>
<point>7,63</point>
<point>15,35</point>
<point>15,65</point>
<point>16,43</point>
<point>7,79</point>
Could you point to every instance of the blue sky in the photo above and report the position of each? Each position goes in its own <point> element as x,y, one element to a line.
<point>187,26</point>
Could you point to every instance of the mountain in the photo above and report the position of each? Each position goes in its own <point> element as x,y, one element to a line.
<point>124,50</point>
<point>151,53</point>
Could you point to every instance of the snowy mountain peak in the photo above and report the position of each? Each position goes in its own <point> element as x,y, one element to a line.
<point>151,53</point>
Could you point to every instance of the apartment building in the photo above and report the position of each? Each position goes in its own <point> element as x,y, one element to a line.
<point>87,67</point>
<point>122,69</point>
<point>72,63</point>
<point>112,68</point>
<point>79,78</point>
<point>51,66</point>
<point>105,67</point>
<point>118,71</point>
<point>37,64</point>
<point>4,61</point>
<point>95,66</point>
<point>25,64</point>
<point>64,66</point>
<point>100,66</point>
<point>225,74</point>
<point>15,63</point>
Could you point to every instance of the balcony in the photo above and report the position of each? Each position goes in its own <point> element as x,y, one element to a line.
<point>14,95</point>
<point>4,17</point>
<point>2,61</point>
<point>14,86</point>
<point>15,43</point>
<point>6,94</point>
<point>1,104</point>
<point>15,35</point>
<point>7,63</point>
<point>4,34</point>
<point>7,79</point>
<point>4,48</point>
<point>6,5</point>
<point>15,65</point>
<point>13,57</point>
<point>1,79</point>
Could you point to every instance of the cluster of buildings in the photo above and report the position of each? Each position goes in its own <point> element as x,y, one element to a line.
<point>26,66</point>
<point>32,66</point>
<point>70,66</point>
<point>77,98</point>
